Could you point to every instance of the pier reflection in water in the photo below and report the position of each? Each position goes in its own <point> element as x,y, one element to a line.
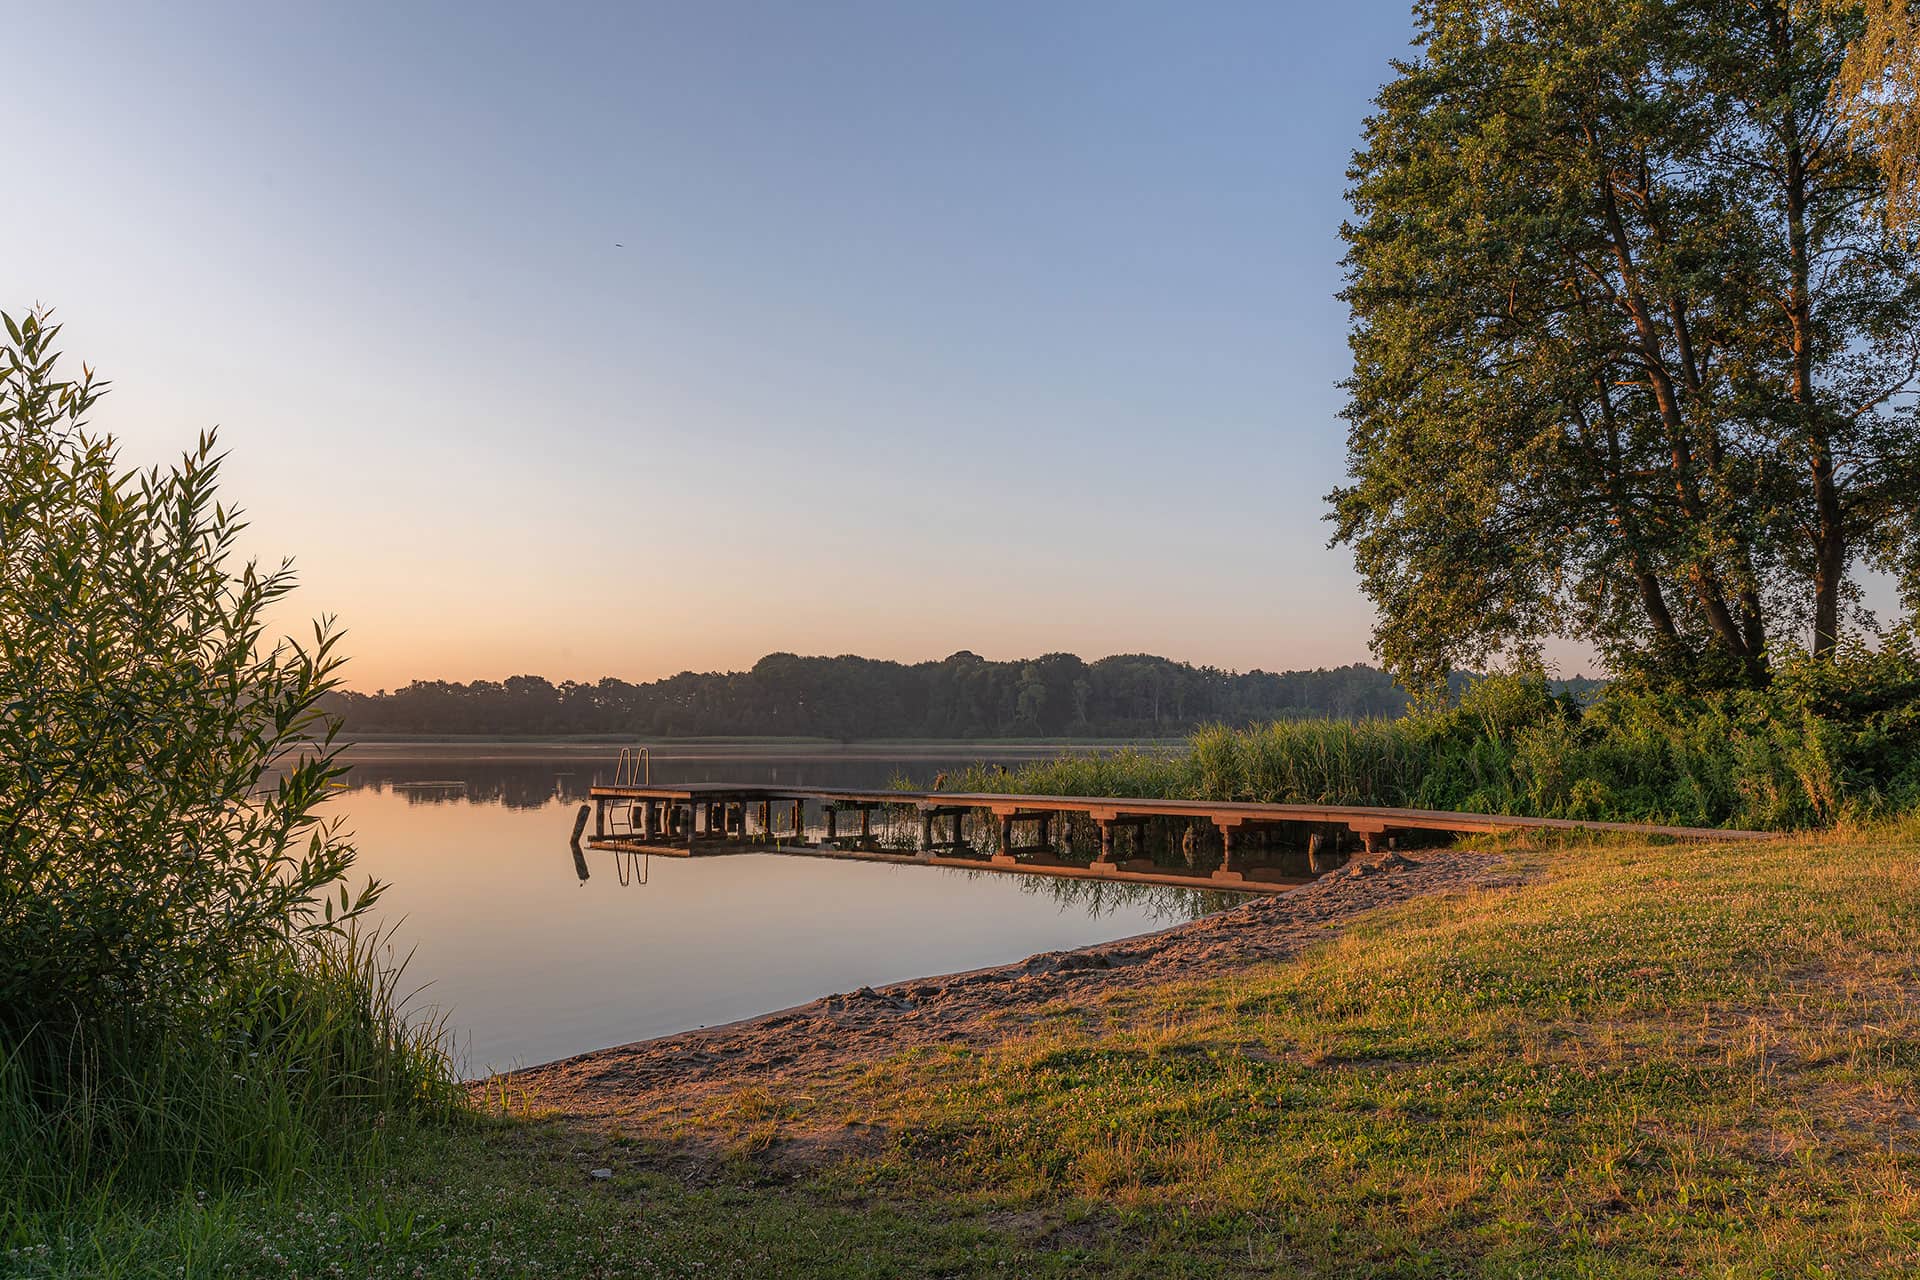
<point>533,961</point>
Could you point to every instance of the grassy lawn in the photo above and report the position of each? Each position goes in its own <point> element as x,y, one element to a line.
<point>1648,1061</point>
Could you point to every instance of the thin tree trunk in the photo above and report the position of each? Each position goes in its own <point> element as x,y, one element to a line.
<point>1702,576</point>
<point>1652,599</point>
<point>1830,535</point>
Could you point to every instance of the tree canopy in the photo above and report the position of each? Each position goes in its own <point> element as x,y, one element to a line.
<point>1631,360</point>
<point>1878,95</point>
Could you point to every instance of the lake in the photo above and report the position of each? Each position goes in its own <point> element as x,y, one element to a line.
<point>530,963</point>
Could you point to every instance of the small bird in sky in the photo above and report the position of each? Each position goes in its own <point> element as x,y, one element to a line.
<point>618,245</point>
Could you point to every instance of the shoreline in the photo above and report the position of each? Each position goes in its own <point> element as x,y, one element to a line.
<point>652,1081</point>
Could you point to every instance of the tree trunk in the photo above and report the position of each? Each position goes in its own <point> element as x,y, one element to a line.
<point>1830,536</point>
<point>1830,554</point>
<point>1704,577</point>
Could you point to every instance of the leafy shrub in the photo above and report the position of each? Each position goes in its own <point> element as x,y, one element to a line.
<point>182,992</point>
<point>142,858</point>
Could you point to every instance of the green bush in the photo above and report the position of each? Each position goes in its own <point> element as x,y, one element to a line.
<point>142,856</point>
<point>181,991</point>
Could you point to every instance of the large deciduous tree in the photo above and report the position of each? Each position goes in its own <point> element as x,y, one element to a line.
<point>1629,361</point>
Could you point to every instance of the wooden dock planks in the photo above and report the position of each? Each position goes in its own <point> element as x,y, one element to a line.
<point>1360,819</point>
<point>712,817</point>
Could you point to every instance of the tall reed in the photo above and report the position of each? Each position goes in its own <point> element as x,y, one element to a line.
<point>301,1065</point>
<point>1823,743</point>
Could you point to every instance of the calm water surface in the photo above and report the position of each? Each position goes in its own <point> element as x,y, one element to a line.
<point>531,963</point>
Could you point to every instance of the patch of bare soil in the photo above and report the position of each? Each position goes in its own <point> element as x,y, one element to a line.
<point>785,1052</point>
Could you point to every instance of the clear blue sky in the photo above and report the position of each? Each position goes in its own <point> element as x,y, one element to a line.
<point>996,326</point>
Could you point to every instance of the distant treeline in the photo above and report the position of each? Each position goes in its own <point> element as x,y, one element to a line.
<point>850,698</point>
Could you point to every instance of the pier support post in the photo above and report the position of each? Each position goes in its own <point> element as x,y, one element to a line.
<point>866,823</point>
<point>1229,861</point>
<point>1372,836</point>
<point>1006,834</point>
<point>600,819</point>
<point>799,821</point>
<point>1106,841</point>
<point>833,824</point>
<point>926,830</point>
<point>959,830</point>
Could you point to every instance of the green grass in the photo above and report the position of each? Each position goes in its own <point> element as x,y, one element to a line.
<point>1647,1061</point>
<point>298,1066</point>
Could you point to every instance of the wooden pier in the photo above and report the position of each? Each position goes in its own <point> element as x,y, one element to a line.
<point>716,817</point>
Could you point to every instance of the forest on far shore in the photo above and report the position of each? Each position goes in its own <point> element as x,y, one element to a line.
<point>849,698</point>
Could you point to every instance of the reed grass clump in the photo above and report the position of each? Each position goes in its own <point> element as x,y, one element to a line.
<point>1126,772</point>
<point>1826,741</point>
<point>300,1065</point>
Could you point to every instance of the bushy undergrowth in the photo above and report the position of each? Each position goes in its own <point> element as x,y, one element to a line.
<point>185,1002</point>
<point>1824,742</point>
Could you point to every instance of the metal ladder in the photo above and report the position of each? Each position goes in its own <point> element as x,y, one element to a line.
<point>633,768</point>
